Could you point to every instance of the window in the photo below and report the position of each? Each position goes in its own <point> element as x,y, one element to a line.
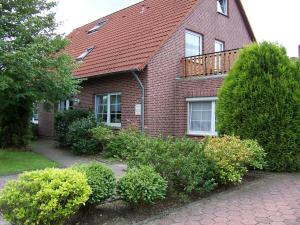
<point>201,116</point>
<point>108,109</point>
<point>84,54</point>
<point>193,44</point>
<point>222,6</point>
<point>65,105</point>
<point>96,27</point>
<point>219,47</point>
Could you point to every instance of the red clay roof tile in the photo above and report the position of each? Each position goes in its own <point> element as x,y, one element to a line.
<point>129,38</point>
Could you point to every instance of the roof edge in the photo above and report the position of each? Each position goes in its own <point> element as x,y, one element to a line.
<point>246,20</point>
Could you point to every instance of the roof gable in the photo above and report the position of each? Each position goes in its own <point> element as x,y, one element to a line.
<point>129,38</point>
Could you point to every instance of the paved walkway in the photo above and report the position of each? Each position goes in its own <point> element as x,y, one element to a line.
<point>272,200</point>
<point>65,158</point>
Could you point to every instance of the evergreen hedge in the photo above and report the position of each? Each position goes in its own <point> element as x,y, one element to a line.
<point>260,99</point>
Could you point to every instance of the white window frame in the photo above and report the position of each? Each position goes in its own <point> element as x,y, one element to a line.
<point>117,125</point>
<point>200,44</point>
<point>221,43</point>
<point>218,58</point>
<point>225,7</point>
<point>213,131</point>
<point>67,106</point>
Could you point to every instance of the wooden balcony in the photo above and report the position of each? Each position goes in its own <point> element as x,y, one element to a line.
<point>209,64</point>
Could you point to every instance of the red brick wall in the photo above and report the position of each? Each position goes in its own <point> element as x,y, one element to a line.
<point>187,88</point>
<point>163,115</point>
<point>123,83</point>
<point>46,122</point>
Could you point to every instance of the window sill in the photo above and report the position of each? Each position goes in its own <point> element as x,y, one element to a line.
<point>223,14</point>
<point>202,134</point>
<point>114,125</point>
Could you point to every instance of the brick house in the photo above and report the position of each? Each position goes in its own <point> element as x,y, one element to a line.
<point>157,65</point>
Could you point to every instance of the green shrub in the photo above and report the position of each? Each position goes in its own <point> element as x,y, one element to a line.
<point>62,122</point>
<point>126,143</point>
<point>101,180</point>
<point>44,197</point>
<point>103,134</point>
<point>142,186</point>
<point>181,162</point>
<point>80,136</point>
<point>232,156</point>
<point>260,100</point>
<point>258,158</point>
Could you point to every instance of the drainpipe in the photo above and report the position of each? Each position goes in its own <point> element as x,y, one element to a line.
<point>134,73</point>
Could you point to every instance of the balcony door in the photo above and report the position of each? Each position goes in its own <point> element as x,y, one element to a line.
<point>219,47</point>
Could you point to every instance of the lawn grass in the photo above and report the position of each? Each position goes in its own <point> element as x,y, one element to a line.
<point>13,162</point>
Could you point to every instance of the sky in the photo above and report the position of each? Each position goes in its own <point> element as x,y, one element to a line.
<point>271,20</point>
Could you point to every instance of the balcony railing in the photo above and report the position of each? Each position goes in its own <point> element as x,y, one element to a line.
<point>209,64</point>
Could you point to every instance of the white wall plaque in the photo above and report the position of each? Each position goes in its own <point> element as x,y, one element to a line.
<point>138,109</point>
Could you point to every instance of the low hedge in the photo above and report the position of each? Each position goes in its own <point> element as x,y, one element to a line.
<point>101,180</point>
<point>180,161</point>
<point>44,197</point>
<point>232,156</point>
<point>142,186</point>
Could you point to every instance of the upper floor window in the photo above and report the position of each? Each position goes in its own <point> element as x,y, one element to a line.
<point>201,116</point>
<point>219,46</point>
<point>222,6</point>
<point>108,109</point>
<point>193,44</point>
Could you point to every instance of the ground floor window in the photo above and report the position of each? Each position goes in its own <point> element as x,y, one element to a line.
<point>65,105</point>
<point>108,109</point>
<point>201,116</point>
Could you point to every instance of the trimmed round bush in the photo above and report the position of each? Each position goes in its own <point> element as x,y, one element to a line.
<point>103,134</point>
<point>63,120</point>
<point>44,197</point>
<point>101,180</point>
<point>142,186</point>
<point>231,157</point>
<point>80,136</point>
<point>260,100</point>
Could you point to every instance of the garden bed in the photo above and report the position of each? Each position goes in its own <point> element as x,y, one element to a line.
<point>120,213</point>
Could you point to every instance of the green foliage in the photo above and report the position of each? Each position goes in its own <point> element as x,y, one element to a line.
<point>44,197</point>
<point>31,70</point>
<point>126,143</point>
<point>101,180</point>
<point>142,186</point>
<point>232,156</point>
<point>103,134</point>
<point>13,162</point>
<point>260,100</point>
<point>80,136</point>
<point>180,161</point>
<point>258,158</point>
<point>63,120</point>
